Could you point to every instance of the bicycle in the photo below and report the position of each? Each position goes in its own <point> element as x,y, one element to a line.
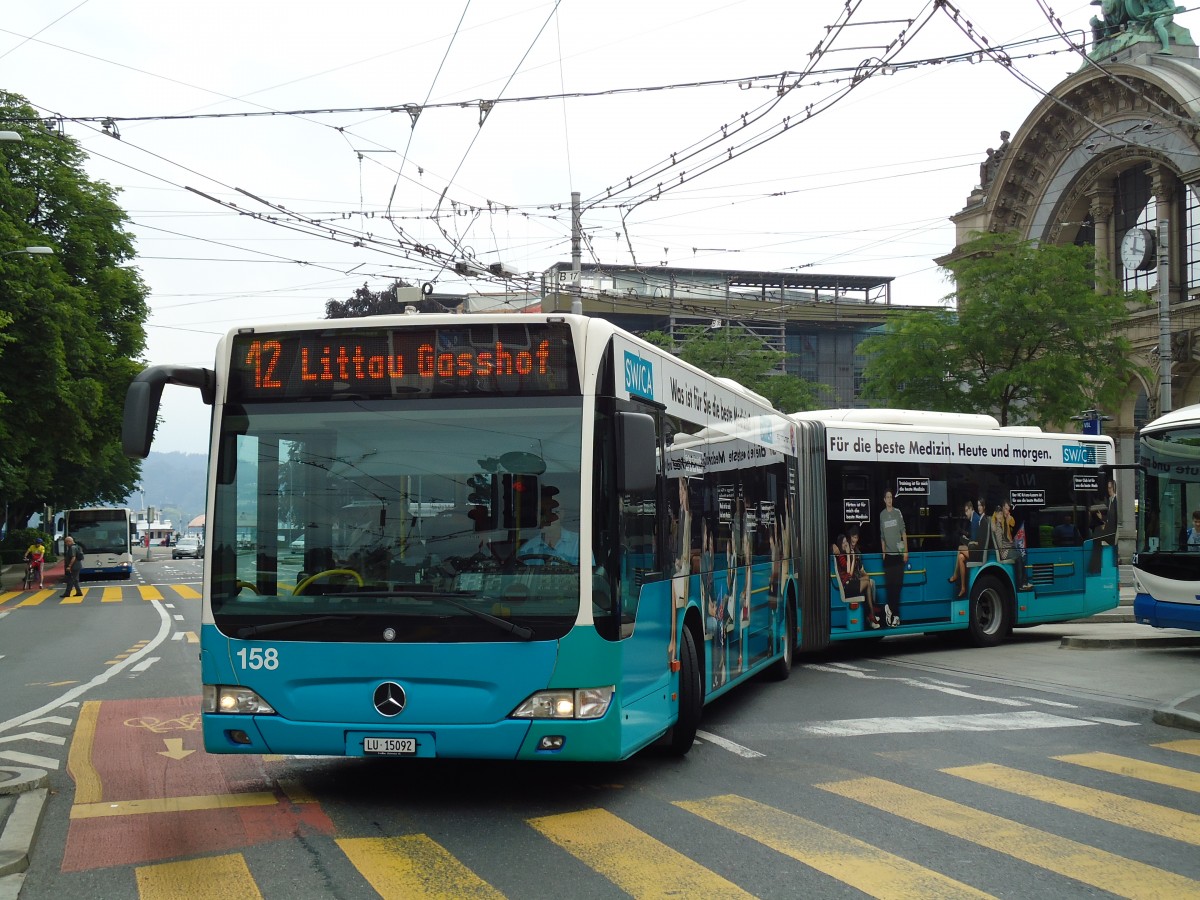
<point>32,574</point>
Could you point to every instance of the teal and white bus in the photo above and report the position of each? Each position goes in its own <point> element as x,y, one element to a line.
<point>106,535</point>
<point>512,537</point>
<point>941,470</point>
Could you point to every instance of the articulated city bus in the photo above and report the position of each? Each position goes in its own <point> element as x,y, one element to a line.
<point>533,537</point>
<point>1166,567</point>
<point>940,471</point>
<point>106,535</point>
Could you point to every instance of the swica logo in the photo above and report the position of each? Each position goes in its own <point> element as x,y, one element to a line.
<point>639,376</point>
<point>1079,455</point>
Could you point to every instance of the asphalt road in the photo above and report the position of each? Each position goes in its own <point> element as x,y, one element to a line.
<point>900,768</point>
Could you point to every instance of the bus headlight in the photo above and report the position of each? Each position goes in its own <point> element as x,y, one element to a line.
<point>221,698</point>
<point>582,703</point>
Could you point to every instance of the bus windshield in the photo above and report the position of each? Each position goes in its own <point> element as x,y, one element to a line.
<point>1171,460</point>
<point>397,520</point>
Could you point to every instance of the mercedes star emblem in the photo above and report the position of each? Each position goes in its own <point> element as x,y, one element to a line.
<point>389,699</point>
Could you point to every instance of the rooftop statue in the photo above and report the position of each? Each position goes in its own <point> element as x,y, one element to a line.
<point>1125,23</point>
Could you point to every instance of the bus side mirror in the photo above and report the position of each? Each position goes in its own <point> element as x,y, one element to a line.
<point>637,452</point>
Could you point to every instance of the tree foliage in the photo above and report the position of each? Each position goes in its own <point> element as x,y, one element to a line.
<point>1032,340</point>
<point>71,325</point>
<point>732,352</point>
<point>367,302</point>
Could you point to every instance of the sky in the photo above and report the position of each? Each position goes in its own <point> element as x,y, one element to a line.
<point>273,156</point>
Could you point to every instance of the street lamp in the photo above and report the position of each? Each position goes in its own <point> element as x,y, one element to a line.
<point>31,251</point>
<point>10,136</point>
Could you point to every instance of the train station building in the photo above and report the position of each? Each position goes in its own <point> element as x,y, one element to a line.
<point>1111,158</point>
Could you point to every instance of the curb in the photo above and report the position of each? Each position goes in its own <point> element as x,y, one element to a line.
<point>1094,643</point>
<point>16,841</point>
<point>1172,716</point>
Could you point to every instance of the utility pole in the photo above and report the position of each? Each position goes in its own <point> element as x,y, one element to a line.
<point>1164,317</point>
<point>576,254</point>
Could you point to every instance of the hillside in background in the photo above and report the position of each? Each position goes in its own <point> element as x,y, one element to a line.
<point>172,483</point>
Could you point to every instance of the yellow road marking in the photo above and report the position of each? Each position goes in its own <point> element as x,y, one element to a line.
<point>75,599</point>
<point>88,788</point>
<point>1103,805</point>
<point>295,791</point>
<point>9,595</point>
<point>192,637</point>
<point>37,598</point>
<point>637,863</point>
<point>186,592</point>
<point>1191,746</point>
<point>171,804</point>
<point>1135,768</point>
<point>412,867</point>
<point>227,877</point>
<point>111,595</point>
<point>1090,865</point>
<point>864,866</point>
<point>149,592</point>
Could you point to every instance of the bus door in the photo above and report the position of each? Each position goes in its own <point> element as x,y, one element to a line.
<point>648,524</point>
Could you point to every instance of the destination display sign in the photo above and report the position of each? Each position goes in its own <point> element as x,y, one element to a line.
<point>356,363</point>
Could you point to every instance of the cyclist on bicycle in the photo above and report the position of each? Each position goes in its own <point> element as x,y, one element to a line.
<point>35,555</point>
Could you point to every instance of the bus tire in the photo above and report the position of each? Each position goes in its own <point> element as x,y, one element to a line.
<point>990,612</point>
<point>691,697</point>
<point>782,668</point>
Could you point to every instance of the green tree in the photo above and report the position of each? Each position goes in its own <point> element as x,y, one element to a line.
<point>732,352</point>
<point>71,325</point>
<point>367,302</point>
<point>1031,340</point>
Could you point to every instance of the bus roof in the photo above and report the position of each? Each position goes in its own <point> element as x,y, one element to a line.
<point>912,417</point>
<point>1185,415</point>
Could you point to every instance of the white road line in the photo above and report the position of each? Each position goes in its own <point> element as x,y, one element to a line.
<point>51,720</point>
<point>729,745</point>
<point>179,635</point>
<point>145,664</point>
<point>28,759</point>
<point>177,618</point>
<point>69,698</point>
<point>1019,721</point>
<point>1103,721</point>
<point>35,736</point>
<point>918,683</point>
<point>1044,702</point>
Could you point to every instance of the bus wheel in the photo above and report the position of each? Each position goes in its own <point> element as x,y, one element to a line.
<point>989,613</point>
<point>691,698</point>
<point>782,668</point>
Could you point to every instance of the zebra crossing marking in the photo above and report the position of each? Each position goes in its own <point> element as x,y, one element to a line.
<point>1135,768</point>
<point>1089,865</point>
<point>226,876</point>
<point>864,866</point>
<point>413,867</point>
<point>1106,806</point>
<point>635,862</point>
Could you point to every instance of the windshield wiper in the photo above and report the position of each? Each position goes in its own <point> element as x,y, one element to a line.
<point>249,631</point>
<point>520,631</point>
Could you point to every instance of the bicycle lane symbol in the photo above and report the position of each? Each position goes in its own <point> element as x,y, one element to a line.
<point>125,783</point>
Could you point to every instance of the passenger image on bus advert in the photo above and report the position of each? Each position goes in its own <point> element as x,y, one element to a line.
<point>958,519</point>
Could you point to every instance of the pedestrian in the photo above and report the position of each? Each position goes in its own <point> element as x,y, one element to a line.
<point>894,541</point>
<point>72,566</point>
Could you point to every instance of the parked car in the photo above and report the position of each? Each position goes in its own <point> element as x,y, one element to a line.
<point>298,544</point>
<point>189,547</point>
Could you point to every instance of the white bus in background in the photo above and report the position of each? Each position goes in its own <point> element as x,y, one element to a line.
<point>106,535</point>
<point>1166,566</point>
